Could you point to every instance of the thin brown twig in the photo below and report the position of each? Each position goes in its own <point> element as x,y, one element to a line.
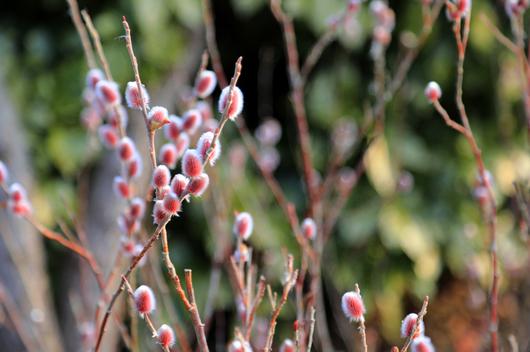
<point>421,314</point>
<point>121,287</point>
<point>255,303</point>
<point>298,101</point>
<point>207,15</point>
<point>277,307</point>
<point>312,312</point>
<point>83,35</point>
<point>194,312</point>
<point>134,62</point>
<point>97,43</point>
<point>362,327</point>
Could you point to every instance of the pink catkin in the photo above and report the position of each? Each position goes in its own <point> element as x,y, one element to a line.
<point>171,203</point>
<point>121,187</point>
<point>166,337</point>
<point>407,325</point>
<point>168,155</point>
<point>287,346</point>
<point>159,213</point>
<point>422,344</point>
<point>93,77</point>
<point>433,91</point>
<point>108,136</point>
<point>179,183</point>
<point>309,228</point>
<point>236,104</point>
<point>204,144</point>
<point>174,128</point>
<point>132,96</point>
<point>107,93</point>
<point>205,83</point>
<point>4,173</point>
<point>157,117</point>
<point>126,149</point>
<point>161,176</point>
<point>134,167</point>
<point>243,225</point>
<point>353,306</point>
<point>199,184</point>
<point>137,208</point>
<point>144,299</point>
<point>192,163</point>
<point>191,121</point>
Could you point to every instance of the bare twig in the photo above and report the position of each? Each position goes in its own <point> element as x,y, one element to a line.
<point>83,35</point>
<point>207,15</point>
<point>362,328</point>
<point>194,312</point>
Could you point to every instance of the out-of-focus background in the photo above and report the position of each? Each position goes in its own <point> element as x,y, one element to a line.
<point>411,227</point>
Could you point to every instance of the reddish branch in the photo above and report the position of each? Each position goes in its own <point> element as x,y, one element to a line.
<point>461,36</point>
<point>83,35</point>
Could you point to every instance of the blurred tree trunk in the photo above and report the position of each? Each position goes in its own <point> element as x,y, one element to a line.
<point>23,269</point>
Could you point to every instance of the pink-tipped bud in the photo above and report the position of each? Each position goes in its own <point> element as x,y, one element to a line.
<point>144,299</point>
<point>17,193</point>
<point>433,92</point>
<point>354,5</point>
<point>515,7</point>
<point>128,245</point>
<point>243,225</point>
<point>118,116</point>
<point>107,92</point>
<point>126,149</point>
<point>309,228</point>
<point>199,184</point>
<point>353,306</point>
<point>128,225</point>
<point>90,118</point>
<point>108,136</point>
<point>161,176</point>
<point>157,117</point>
<point>137,208</point>
<point>204,144</point>
<point>182,143</point>
<point>422,344</point>
<point>191,163</point>
<point>205,109</point>
<point>407,325</point>
<point>168,155</point>
<point>191,121</point>
<point>166,337</point>
<point>4,173</point>
<point>287,346</point>
<point>179,184</point>
<point>457,9</point>
<point>93,77</point>
<point>21,208</point>
<point>174,128</point>
<point>159,213</point>
<point>134,167</point>
<point>132,96</point>
<point>238,346</point>
<point>269,132</point>
<point>205,83</point>
<point>236,103</point>
<point>121,187</point>
<point>171,203</point>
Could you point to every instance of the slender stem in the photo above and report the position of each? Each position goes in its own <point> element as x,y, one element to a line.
<point>83,35</point>
<point>312,311</point>
<point>97,43</point>
<point>207,15</point>
<point>194,312</point>
<point>362,327</point>
<point>134,62</point>
<point>121,287</point>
